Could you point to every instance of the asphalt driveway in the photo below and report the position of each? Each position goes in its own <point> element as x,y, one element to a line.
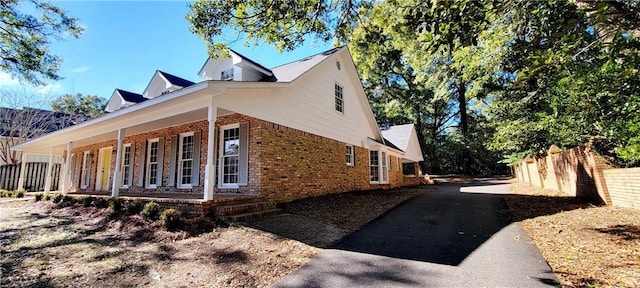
<point>458,235</point>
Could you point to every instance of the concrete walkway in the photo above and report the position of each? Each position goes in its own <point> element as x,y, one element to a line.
<point>457,236</point>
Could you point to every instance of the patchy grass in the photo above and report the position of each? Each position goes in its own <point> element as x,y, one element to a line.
<point>585,245</point>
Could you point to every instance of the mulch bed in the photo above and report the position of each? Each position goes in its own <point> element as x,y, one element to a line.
<point>585,245</point>
<point>46,245</point>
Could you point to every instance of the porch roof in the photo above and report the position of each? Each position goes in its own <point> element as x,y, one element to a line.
<point>182,106</point>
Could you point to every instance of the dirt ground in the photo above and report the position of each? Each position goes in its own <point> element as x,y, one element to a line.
<point>585,245</point>
<point>43,245</point>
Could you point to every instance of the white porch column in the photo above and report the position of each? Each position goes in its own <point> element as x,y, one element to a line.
<point>66,173</point>
<point>47,179</point>
<point>117,174</point>
<point>23,170</point>
<point>210,169</point>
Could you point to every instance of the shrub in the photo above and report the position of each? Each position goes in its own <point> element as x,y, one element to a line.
<point>46,197</point>
<point>171,219</point>
<point>115,205</point>
<point>101,203</point>
<point>133,207</point>
<point>57,198</point>
<point>151,210</point>
<point>86,201</point>
<point>18,194</point>
<point>69,199</point>
<point>3,193</point>
<point>38,197</point>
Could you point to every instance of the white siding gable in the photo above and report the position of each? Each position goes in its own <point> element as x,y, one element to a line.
<point>308,104</point>
<point>116,102</point>
<point>157,86</point>
<point>243,70</point>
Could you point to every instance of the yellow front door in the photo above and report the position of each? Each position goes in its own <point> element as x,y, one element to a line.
<point>105,167</point>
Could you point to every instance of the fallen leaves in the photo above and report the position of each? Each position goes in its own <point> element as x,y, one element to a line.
<point>585,245</point>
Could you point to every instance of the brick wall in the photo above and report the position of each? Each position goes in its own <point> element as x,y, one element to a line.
<point>294,164</point>
<point>138,141</point>
<point>623,186</point>
<point>582,173</point>
<point>284,163</point>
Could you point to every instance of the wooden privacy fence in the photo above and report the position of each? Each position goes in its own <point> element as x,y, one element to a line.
<point>35,175</point>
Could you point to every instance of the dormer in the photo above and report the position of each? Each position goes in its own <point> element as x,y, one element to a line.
<point>121,98</point>
<point>162,83</point>
<point>235,67</point>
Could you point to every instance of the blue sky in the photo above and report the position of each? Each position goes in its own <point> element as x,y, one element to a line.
<point>125,42</point>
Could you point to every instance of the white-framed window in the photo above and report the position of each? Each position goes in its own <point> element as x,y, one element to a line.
<point>153,146</point>
<point>226,75</point>
<point>378,167</point>
<point>339,98</point>
<point>350,156</point>
<point>385,171</point>
<point>399,163</point>
<point>230,155</point>
<point>87,158</point>
<point>185,160</point>
<point>126,165</point>
<point>374,166</point>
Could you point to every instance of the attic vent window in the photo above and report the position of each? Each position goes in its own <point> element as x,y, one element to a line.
<point>338,65</point>
<point>165,92</point>
<point>226,75</point>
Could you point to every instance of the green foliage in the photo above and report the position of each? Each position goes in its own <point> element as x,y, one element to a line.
<point>19,194</point>
<point>151,210</point>
<point>47,197</point>
<point>116,205</point>
<point>133,207</point>
<point>38,197</point>
<point>87,201</point>
<point>25,38</point>
<point>57,198</point>
<point>171,219</point>
<point>101,203</point>
<point>88,105</point>
<point>478,78</point>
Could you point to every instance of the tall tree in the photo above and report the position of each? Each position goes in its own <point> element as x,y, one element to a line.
<point>88,105</point>
<point>25,38</point>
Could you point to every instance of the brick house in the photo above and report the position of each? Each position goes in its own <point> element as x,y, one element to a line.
<point>301,129</point>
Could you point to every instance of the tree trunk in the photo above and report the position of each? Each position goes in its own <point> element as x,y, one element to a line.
<point>464,127</point>
<point>420,135</point>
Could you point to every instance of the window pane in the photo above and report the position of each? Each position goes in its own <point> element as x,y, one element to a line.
<point>374,166</point>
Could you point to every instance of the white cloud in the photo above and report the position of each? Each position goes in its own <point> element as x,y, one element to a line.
<point>48,88</point>
<point>6,80</point>
<point>80,69</point>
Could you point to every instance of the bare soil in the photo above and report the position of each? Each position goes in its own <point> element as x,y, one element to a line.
<point>44,245</point>
<point>585,245</point>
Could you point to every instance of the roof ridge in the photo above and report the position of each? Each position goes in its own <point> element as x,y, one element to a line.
<point>249,59</point>
<point>171,75</point>
<point>310,56</point>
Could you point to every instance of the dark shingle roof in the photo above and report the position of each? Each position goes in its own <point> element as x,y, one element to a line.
<point>130,96</point>
<point>175,80</point>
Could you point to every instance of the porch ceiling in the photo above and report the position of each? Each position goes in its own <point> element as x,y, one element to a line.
<point>188,106</point>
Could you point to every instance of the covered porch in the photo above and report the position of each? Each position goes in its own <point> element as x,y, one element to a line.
<point>108,139</point>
